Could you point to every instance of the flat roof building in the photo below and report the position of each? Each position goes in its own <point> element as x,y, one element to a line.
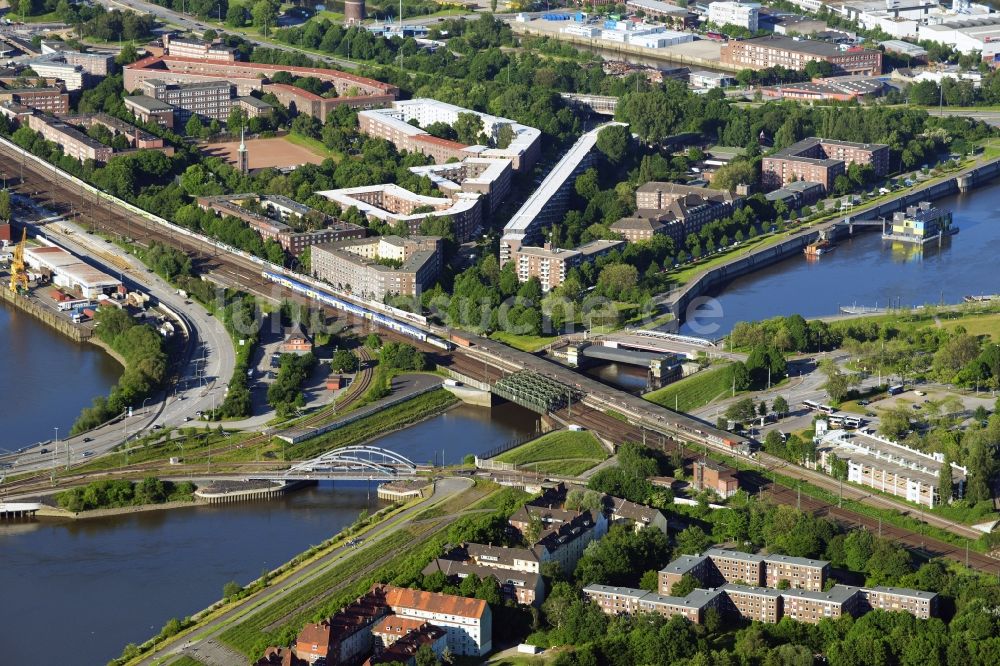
<point>820,160</point>
<point>551,265</point>
<point>376,267</point>
<point>766,52</point>
<point>70,272</point>
<point>393,204</point>
<point>548,202</point>
<point>150,110</point>
<point>486,176</point>
<point>53,100</point>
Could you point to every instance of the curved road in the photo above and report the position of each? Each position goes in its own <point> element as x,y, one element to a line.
<point>204,372</point>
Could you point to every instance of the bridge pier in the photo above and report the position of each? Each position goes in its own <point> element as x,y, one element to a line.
<point>965,182</point>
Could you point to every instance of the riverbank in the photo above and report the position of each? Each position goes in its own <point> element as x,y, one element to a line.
<point>48,511</point>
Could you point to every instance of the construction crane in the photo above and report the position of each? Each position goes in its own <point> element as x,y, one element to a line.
<point>18,274</point>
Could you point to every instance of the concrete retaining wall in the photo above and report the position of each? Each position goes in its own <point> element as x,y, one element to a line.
<point>50,318</point>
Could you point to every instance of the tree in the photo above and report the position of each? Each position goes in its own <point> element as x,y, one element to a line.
<point>231,589</point>
<point>692,541</point>
<point>344,361</point>
<point>684,586</point>
<point>193,126</point>
<point>837,383</point>
<point>127,55</point>
<point>235,15</point>
<point>779,406</point>
<point>237,119</point>
<point>425,656</point>
<point>613,142</point>
<point>5,205</point>
<point>838,468</point>
<point>26,7</point>
<point>468,127</point>
<point>945,482</point>
<point>894,423</point>
<point>742,410</point>
<point>373,341</point>
<point>264,14</point>
<point>650,580</point>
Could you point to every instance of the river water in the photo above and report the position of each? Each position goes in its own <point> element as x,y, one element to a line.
<point>869,271</point>
<point>107,582</point>
<point>46,379</point>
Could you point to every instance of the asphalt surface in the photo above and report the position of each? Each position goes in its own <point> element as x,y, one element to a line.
<point>202,378</point>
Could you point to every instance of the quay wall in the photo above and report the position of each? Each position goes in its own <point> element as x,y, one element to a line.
<point>679,301</point>
<point>48,317</point>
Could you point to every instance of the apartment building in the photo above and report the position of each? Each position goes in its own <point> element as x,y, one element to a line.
<point>347,635</point>
<point>820,161</point>
<point>698,566</point>
<point>755,604</point>
<point>208,99</point>
<point>354,91</point>
<point>710,475</point>
<point>801,573</point>
<point>393,204</point>
<point>774,51</point>
<point>394,125</point>
<point>630,601</point>
<point>73,77</point>
<point>552,265</point>
<point>52,100</point>
<point>500,557</point>
<point>277,217</point>
<point>639,227</point>
<point>188,47</point>
<point>798,194</point>
<point>920,604</point>
<point>637,516</point>
<point>397,640</point>
<point>467,622</point>
<point>376,267</point>
<point>74,143</point>
<point>150,110</point>
<point>137,138</point>
<point>490,178</point>
<point>718,566</point>
<point>521,587</point>
<point>95,64</point>
<point>740,14</point>
<point>812,606</point>
<point>888,466</point>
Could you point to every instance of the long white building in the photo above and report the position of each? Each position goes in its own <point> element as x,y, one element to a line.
<point>742,14</point>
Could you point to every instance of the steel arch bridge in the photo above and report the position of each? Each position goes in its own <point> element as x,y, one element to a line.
<point>370,461</point>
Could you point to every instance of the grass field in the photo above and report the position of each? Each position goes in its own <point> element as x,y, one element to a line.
<point>987,324</point>
<point>525,343</point>
<point>186,661</point>
<point>696,391</point>
<point>563,452</point>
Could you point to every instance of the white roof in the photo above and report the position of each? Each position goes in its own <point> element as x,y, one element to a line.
<point>518,226</point>
<point>346,197</point>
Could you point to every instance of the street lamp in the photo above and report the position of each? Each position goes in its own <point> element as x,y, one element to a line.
<point>144,404</point>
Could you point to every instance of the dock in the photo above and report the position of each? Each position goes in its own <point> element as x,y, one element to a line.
<point>18,510</point>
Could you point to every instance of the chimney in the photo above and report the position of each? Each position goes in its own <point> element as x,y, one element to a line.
<point>547,245</point>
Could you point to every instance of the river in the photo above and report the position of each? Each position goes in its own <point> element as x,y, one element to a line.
<point>869,271</point>
<point>103,583</point>
<point>46,379</point>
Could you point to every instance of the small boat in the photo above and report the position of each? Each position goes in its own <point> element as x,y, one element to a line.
<point>819,247</point>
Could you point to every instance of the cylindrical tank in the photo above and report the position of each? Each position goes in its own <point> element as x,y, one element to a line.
<point>354,11</point>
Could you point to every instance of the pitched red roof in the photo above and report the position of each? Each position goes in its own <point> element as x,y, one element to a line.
<point>434,602</point>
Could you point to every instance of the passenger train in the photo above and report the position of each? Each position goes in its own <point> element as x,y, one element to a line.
<point>369,313</point>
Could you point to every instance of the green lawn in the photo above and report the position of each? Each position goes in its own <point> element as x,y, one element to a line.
<point>525,343</point>
<point>314,145</point>
<point>564,452</point>
<point>696,391</point>
<point>187,661</point>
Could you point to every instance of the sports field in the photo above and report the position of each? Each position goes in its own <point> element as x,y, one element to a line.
<point>264,153</point>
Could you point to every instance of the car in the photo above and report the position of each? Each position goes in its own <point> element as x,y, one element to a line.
<point>87,439</point>
<point>917,407</point>
<point>43,451</point>
<point>869,414</point>
<point>158,427</point>
<point>186,419</point>
<point>863,403</point>
<point>86,454</point>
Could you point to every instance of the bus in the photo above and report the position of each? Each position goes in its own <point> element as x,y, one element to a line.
<point>852,422</point>
<point>810,405</point>
<point>827,409</point>
<point>896,389</point>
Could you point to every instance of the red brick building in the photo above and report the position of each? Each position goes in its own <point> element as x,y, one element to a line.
<point>774,51</point>
<point>710,475</point>
<point>820,161</point>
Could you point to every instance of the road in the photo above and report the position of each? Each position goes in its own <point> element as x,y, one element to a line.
<point>206,647</point>
<point>203,372</point>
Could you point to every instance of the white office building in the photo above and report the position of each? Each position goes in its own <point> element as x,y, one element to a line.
<point>742,14</point>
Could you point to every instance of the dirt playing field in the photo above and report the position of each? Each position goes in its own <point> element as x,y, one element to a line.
<point>265,153</point>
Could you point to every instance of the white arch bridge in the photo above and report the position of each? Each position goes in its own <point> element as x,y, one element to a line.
<point>349,463</point>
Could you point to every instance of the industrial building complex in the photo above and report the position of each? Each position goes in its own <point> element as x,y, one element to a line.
<point>772,51</point>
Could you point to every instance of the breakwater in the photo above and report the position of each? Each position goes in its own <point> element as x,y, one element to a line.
<point>682,301</point>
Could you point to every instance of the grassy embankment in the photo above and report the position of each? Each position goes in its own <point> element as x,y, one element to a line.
<point>696,391</point>
<point>564,452</point>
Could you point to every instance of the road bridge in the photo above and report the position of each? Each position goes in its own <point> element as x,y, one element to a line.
<point>361,463</point>
<point>603,105</point>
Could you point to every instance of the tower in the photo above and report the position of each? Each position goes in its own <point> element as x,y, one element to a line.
<point>242,155</point>
<point>354,11</point>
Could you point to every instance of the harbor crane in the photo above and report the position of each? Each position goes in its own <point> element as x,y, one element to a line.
<point>18,273</point>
